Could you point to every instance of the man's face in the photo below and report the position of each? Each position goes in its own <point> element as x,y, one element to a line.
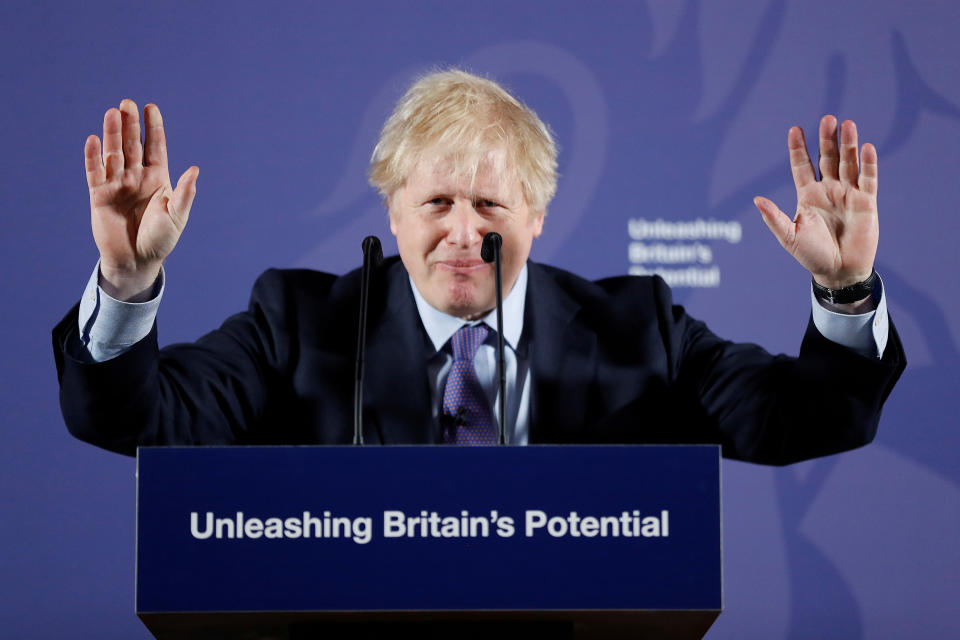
<point>440,223</point>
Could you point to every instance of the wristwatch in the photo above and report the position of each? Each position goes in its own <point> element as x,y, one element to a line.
<point>854,292</point>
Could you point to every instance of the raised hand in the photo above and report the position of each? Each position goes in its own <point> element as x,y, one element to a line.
<point>834,232</point>
<point>137,217</point>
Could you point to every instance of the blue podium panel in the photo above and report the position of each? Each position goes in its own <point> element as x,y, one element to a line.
<point>328,529</point>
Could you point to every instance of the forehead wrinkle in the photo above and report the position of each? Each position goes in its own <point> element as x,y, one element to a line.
<point>489,179</point>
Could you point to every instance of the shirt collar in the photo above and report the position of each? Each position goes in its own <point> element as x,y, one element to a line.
<point>441,326</point>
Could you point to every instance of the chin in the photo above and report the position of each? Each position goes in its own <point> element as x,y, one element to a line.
<point>464,301</point>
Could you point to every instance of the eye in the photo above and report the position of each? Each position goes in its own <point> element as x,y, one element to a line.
<point>438,202</point>
<point>486,204</point>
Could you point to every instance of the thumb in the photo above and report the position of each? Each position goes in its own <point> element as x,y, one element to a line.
<point>778,222</point>
<point>181,200</point>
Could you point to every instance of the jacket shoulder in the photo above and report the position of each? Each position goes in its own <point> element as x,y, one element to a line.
<point>612,294</point>
<point>278,285</point>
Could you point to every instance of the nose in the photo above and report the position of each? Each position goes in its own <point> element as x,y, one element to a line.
<point>464,229</point>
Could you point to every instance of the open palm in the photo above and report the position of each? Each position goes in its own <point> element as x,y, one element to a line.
<point>137,217</point>
<point>834,232</point>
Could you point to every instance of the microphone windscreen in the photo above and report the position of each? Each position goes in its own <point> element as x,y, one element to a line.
<point>491,241</point>
<point>371,246</point>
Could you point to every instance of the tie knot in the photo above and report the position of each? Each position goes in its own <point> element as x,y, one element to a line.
<point>467,340</point>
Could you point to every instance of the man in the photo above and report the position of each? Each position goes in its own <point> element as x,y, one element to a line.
<point>611,361</point>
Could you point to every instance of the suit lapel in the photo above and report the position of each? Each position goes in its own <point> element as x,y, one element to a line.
<point>562,354</point>
<point>396,393</point>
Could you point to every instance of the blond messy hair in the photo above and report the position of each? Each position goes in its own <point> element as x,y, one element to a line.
<point>461,118</point>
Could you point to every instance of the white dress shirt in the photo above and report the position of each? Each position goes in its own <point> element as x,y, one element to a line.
<point>441,327</point>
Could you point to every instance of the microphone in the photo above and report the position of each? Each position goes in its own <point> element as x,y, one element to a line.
<point>492,251</point>
<point>372,257</point>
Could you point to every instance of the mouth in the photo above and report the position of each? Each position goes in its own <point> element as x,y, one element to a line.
<point>462,266</point>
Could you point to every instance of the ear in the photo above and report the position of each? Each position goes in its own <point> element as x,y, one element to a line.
<point>536,224</point>
<point>392,213</point>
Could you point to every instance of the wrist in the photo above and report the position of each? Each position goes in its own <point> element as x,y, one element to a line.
<point>856,293</point>
<point>128,285</point>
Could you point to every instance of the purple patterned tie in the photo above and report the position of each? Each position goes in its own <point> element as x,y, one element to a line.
<point>465,404</point>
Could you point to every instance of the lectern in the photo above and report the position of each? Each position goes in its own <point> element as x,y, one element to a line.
<point>440,541</point>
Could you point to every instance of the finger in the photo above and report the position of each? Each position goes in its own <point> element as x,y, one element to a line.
<point>182,199</point>
<point>829,153</point>
<point>800,163</point>
<point>92,162</point>
<point>130,119</point>
<point>112,144</point>
<point>848,152</point>
<point>778,222</point>
<point>869,169</point>
<point>155,139</point>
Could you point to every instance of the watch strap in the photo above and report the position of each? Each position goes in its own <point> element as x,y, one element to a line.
<point>853,293</point>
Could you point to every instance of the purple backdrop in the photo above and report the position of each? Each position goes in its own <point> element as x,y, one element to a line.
<point>664,110</point>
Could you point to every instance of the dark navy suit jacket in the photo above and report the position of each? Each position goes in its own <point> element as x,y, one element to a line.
<point>611,361</point>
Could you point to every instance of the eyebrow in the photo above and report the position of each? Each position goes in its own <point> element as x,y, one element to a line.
<point>474,197</point>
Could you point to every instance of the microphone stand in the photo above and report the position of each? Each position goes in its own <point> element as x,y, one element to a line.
<point>372,257</point>
<point>492,251</point>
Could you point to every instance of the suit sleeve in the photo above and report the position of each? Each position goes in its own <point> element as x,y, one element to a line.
<point>213,391</point>
<point>776,409</point>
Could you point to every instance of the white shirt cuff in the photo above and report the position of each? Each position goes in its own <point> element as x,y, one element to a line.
<point>108,327</point>
<point>865,333</point>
